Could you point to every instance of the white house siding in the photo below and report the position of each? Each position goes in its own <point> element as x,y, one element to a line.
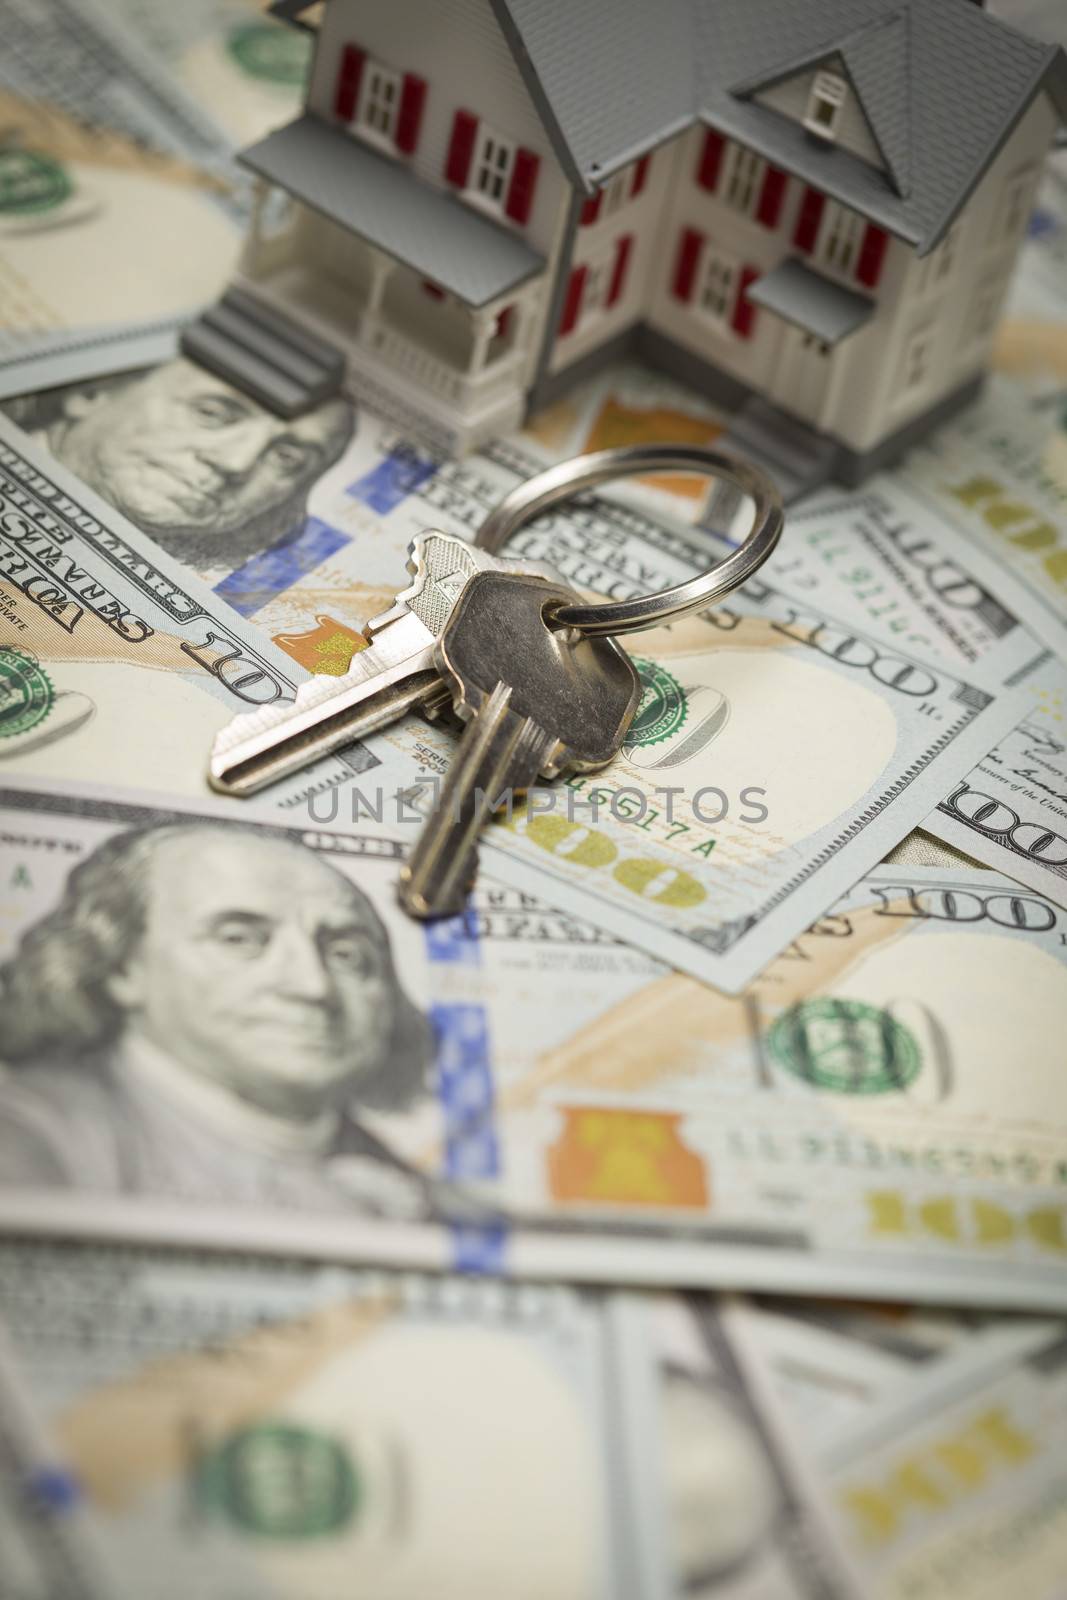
<point>873,399</point>
<point>792,97</point>
<point>638,217</point>
<point>864,397</point>
<point>742,239</point>
<point>460,52</point>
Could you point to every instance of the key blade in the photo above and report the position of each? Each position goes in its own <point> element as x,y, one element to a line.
<point>394,674</point>
<point>497,751</point>
<point>385,680</point>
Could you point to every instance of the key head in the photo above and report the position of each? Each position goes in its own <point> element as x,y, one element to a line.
<point>582,692</point>
<point>440,565</point>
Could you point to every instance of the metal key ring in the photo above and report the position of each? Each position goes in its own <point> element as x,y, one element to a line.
<point>560,483</point>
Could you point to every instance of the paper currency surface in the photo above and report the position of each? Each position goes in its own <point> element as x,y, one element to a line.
<point>243,68</point>
<point>117,214</point>
<point>833,1365</point>
<point>778,754</point>
<point>998,473</point>
<point>959,1491</point>
<point>115,665</point>
<point>106,246</point>
<point>256,1046</point>
<point>223,1427</point>
<point>1011,811</point>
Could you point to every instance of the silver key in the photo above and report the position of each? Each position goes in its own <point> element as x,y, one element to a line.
<point>536,701</point>
<point>395,673</point>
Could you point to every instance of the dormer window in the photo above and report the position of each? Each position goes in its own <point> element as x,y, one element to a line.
<point>825,104</point>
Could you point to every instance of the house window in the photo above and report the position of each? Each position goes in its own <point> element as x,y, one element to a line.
<point>825,104</point>
<point>839,241</point>
<point>717,294</point>
<point>915,368</point>
<point>380,102</point>
<point>494,158</point>
<point>744,175</point>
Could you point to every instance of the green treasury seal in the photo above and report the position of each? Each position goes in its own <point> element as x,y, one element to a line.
<point>30,183</point>
<point>281,1481</point>
<point>845,1045</point>
<point>271,53</point>
<point>664,705</point>
<point>26,692</point>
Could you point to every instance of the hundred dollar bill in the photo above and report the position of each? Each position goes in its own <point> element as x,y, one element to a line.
<point>960,1492</point>
<point>79,56</point>
<point>796,780</point>
<point>218,1027</point>
<point>880,557</point>
<point>325,549</point>
<point>779,752</point>
<point>1011,811</point>
<point>999,473</point>
<point>48,1546</point>
<point>831,1365</point>
<point>767,1534</point>
<point>114,663</point>
<point>110,237</point>
<point>243,68</point>
<point>279,517</point>
<point>273,1428</point>
<point>90,279</point>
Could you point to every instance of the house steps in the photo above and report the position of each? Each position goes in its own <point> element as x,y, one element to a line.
<point>796,457</point>
<point>265,354</point>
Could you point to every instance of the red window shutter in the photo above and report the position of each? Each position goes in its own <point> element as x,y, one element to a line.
<point>521,188</point>
<point>711,159</point>
<point>743,320</point>
<point>434,290</point>
<point>572,303</point>
<point>591,208</point>
<point>872,255</point>
<point>771,195</point>
<point>503,321</point>
<point>409,116</point>
<point>807,228</point>
<point>640,175</point>
<point>349,73</point>
<point>623,248</point>
<point>461,147</point>
<point>689,248</point>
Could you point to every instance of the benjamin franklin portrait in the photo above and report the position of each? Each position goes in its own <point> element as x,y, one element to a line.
<point>205,1014</point>
<point>207,473</point>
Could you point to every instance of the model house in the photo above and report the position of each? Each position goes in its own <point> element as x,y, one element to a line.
<point>808,209</point>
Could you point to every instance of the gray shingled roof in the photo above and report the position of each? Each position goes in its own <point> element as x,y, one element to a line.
<point>877,59</point>
<point>436,234</point>
<point>941,82</point>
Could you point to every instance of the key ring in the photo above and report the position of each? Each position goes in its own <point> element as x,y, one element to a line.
<point>560,483</point>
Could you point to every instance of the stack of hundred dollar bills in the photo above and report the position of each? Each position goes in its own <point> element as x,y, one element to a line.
<point>689,1218</point>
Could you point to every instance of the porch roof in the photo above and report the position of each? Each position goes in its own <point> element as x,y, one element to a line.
<point>379,199</point>
<point>817,304</point>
